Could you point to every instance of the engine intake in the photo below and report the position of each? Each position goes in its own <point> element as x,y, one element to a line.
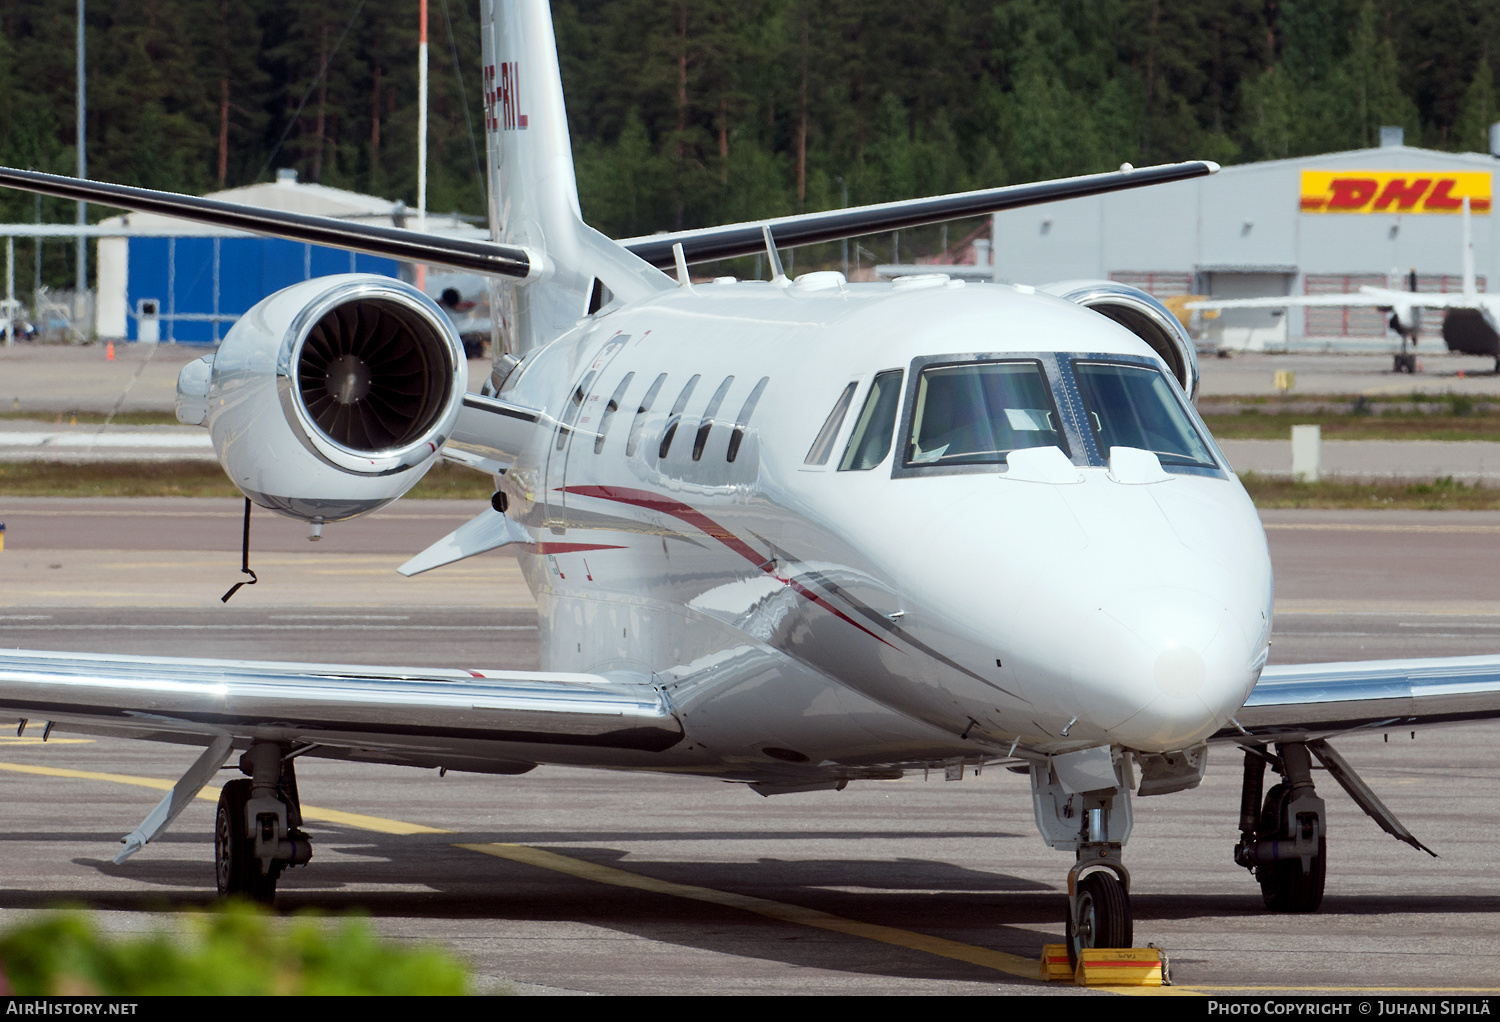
<point>331,398</point>
<point>373,375</point>
<point>1143,315</point>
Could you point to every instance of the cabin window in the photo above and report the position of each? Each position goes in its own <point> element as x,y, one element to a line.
<point>746,410</point>
<point>639,423</point>
<point>609,411</point>
<point>706,423</point>
<point>575,405</point>
<point>870,441</point>
<point>1134,406</point>
<point>976,412</point>
<point>823,446</point>
<point>676,417</point>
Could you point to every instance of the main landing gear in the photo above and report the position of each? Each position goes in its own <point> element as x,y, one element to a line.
<point>1283,838</point>
<point>258,829</point>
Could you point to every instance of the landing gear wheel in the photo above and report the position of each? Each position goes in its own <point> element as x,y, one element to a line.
<point>1101,917</point>
<point>237,868</point>
<point>1283,885</point>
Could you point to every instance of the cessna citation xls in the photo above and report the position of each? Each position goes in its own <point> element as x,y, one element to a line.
<point>792,533</point>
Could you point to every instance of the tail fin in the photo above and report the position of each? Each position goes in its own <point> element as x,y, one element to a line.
<point>533,193</point>
<point>1471,289</point>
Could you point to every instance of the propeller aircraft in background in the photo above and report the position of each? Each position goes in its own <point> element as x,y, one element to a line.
<point>1471,324</point>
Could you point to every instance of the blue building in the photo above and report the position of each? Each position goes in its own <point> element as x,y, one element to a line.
<point>170,280</point>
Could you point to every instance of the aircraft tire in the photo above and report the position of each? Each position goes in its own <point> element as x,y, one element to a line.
<point>1283,885</point>
<point>235,865</point>
<point>1102,915</point>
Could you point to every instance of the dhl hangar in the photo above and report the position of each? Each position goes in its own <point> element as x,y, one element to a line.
<point>1310,225</point>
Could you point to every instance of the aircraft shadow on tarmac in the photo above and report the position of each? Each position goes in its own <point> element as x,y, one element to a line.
<point>988,909</point>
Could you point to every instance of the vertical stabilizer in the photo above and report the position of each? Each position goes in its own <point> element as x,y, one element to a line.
<point>1471,290</point>
<point>533,194</point>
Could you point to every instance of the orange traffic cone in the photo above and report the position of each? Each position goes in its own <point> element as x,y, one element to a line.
<point>109,351</point>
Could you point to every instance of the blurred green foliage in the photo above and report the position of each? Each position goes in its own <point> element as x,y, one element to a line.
<point>236,949</point>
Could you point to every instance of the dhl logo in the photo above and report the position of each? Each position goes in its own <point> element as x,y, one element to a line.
<point>1394,191</point>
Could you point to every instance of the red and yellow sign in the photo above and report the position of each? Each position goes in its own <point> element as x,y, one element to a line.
<point>1395,191</point>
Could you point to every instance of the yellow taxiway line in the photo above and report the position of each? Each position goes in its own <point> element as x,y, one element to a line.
<point>1000,961</point>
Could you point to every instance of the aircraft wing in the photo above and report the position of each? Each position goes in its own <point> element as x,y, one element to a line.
<point>463,719</point>
<point>1297,701</point>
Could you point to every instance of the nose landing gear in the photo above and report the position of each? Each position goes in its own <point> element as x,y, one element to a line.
<point>258,828</point>
<point>1098,907</point>
<point>1082,804</point>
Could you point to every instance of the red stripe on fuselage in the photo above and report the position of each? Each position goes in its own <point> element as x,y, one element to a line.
<point>566,548</point>
<point>706,525</point>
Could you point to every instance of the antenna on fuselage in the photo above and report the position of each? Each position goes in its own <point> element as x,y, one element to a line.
<point>678,257</point>
<point>777,273</point>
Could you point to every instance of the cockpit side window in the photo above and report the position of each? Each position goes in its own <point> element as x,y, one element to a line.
<point>743,419</point>
<point>1133,406</point>
<point>870,441</point>
<point>639,423</point>
<point>975,413</point>
<point>676,417</point>
<point>609,411</point>
<point>823,446</point>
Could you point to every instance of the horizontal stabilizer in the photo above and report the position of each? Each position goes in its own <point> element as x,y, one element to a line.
<point>391,242</point>
<point>744,239</point>
<point>489,530</point>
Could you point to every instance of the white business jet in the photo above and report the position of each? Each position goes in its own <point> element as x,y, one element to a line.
<point>792,533</point>
<point>1471,324</point>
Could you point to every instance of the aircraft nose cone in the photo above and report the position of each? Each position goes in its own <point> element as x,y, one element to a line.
<point>1162,668</point>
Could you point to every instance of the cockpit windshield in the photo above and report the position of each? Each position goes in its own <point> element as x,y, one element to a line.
<point>974,413</point>
<point>1133,406</point>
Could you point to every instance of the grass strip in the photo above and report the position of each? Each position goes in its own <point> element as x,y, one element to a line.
<point>1439,495</point>
<point>1344,426</point>
<point>77,418</point>
<point>190,479</point>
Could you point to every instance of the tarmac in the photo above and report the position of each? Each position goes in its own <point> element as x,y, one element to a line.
<point>584,881</point>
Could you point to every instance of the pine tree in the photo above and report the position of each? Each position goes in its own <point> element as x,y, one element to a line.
<point>1477,112</point>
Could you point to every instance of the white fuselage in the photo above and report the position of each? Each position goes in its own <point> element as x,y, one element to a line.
<point>850,620</point>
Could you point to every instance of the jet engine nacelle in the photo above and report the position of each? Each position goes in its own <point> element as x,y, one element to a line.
<point>331,398</point>
<point>1141,314</point>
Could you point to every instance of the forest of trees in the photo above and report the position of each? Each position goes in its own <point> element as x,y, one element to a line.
<point>691,113</point>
